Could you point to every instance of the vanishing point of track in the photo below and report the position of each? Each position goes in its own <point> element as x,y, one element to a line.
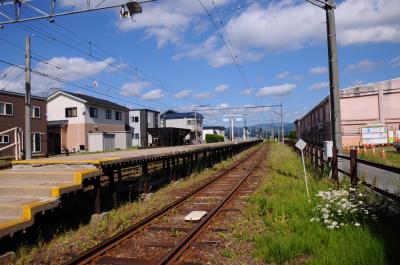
<point>164,236</point>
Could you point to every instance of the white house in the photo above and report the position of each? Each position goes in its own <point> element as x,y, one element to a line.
<point>184,120</point>
<point>72,117</point>
<point>140,120</point>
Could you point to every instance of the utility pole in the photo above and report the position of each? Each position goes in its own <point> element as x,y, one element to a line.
<point>195,118</point>
<point>272,129</point>
<point>245,128</point>
<point>336,123</point>
<point>28,147</point>
<point>282,131</point>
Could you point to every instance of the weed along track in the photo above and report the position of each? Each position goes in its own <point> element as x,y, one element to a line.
<point>165,237</point>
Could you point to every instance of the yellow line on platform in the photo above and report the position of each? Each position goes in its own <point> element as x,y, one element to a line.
<point>68,162</point>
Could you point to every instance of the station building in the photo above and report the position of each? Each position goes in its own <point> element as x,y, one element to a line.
<point>375,105</point>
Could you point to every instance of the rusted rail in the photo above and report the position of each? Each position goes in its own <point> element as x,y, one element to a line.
<point>152,233</point>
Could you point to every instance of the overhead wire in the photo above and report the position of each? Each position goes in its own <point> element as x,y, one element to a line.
<point>47,36</point>
<point>44,60</point>
<point>60,42</point>
<point>61,80</point>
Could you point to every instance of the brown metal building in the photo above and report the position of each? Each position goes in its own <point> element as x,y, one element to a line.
<point>12,114</point>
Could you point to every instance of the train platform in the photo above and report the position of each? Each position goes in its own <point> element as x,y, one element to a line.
<point>36,186</point>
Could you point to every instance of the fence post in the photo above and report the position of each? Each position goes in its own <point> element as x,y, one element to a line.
<point>353,168</point>
<point>334,165</point>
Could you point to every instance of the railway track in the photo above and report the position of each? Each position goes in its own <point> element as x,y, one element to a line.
<point>165,237</point>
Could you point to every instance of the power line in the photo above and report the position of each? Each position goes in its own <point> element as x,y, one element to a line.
<point>120,70</point>
<point>59,79</point>
<point>60,67</point>
<point>229,47</point>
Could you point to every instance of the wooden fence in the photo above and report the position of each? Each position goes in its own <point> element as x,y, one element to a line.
<point>314,154</point>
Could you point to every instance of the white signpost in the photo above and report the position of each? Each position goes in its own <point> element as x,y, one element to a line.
<point>301,144</point>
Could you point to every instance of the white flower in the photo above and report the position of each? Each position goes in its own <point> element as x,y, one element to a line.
<point>360,202</point>
<point>356,224</point>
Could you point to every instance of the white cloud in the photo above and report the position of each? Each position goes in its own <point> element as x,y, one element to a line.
<point>154,95</point>
<point>167,21</point>
<point>68,69</point>
<point>358,82</point>
<point>134,88</point>
<point>276,91</point>
<point>288,75</point>
<point>183,94</point>
<point>395,62</point>
<point>319,70</point>
<point>204,95</point>
<point>73,68</point>
<point>247,91</point>
<point>363,66</point>
<point>318,86</point>
<point>282,75</point>
<point>221,88</point>
<point>268,28</point>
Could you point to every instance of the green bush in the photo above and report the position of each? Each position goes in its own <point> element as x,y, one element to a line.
<point>214,138</point>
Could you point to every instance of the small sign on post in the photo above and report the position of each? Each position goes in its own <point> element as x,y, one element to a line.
<point>301,144</point>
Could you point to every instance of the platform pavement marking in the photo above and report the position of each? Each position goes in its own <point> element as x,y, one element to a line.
<point>67,162</point>
<point>27,209</point>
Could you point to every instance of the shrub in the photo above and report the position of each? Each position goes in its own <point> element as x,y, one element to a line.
<point>214,138</point>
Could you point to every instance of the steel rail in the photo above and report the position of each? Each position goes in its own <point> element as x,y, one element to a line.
<point>173,255</point>
<point>115,240</point>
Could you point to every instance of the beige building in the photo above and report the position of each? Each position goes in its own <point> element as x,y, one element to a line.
<point>375,106</point>
<point>71,117</point>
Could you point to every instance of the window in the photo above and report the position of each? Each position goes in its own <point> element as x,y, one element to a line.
<point>191,122</point>
<point>35,112</point>
<point>108,114</point>
<point>135,119</point>
<point>4,139</point>
<point>36,142</point>
<point>6,109</point>
<point>136,136</point>
<point>93,113</point>
<point>70,112</point>
<point>118,115</point>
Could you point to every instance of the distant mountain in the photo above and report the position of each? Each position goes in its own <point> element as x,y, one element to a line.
<point>265,128</point>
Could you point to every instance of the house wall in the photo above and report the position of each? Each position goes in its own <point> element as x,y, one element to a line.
<point>146,119</point>
<point>76,132</point>
<point>18,120</point>
<point>363,106</point>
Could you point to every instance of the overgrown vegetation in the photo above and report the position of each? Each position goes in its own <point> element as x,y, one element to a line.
<point>214,138</point>
<point>278,222</point>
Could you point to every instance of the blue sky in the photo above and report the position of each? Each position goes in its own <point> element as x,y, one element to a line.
<point>171,55</point>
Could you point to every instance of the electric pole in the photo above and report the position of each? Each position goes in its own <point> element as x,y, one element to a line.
<point>28,147</point>
<point>272,129</point>
<point>282,131</point>
<point>336,123</point>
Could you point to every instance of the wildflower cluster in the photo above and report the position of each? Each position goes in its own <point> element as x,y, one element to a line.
<point>337,208</point>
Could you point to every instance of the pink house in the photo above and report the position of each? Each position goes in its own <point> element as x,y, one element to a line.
<point>366,106</point>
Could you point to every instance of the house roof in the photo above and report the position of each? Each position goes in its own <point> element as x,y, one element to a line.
<point>12,93</point>
<point>170,115</point>
<point>91,100</point>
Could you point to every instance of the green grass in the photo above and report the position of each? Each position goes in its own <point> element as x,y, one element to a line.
<point>280,213</point>
<point>392,156</point>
